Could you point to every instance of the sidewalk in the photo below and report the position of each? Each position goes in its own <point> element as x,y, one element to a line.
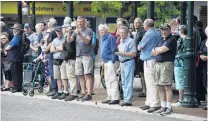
<point>138,101</point>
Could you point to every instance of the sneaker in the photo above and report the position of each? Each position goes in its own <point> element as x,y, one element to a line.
<point>70,98</point>
<point>178,104</point>
<point>87,97</point>
<point>52,93</point>
<point>80,97</point>
<point>63,96</point>
<point>56,95</point>
<point>168,111</point>
<point>162,109</point>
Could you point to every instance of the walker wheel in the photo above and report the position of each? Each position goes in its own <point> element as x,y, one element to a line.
<point>40,90</point>
<point>31,93</point>
<point>24,92</point>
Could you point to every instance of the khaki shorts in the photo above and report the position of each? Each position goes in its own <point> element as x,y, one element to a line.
<point>84,65</point>
<point>163,73</point>
<point>60,71</point>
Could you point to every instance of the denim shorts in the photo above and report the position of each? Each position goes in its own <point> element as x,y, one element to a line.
<point>179,77</point>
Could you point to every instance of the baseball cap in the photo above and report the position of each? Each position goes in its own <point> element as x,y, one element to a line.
<point>27,25</point>
<point>66,25</point>
<point>52,20</point>
<point>165,26</point>
<point>58,28</point>
<point>17,26</point>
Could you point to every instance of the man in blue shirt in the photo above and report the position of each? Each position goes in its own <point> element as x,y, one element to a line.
<point>108,46</point>
<point>148,42</point>
<point>127,52</point>
<point>14,54</point>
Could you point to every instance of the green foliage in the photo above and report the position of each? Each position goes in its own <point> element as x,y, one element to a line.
<point>165,10</point>
<point>106,7</point>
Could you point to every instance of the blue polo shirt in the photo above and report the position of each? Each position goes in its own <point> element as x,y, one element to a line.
<point>148,42</point>
<point>108,46</point>
<point>15,52</point>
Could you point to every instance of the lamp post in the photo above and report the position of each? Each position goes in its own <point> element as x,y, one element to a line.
<point>189,96</point>
<point>150,9</point>
<point>19,11</point>
<point>134,9</point>
<point>33,14</point>
<point>183,13</point>
<point>70,9</point>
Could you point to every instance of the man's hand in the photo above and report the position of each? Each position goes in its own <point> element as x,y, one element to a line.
<point>203,57</point>
<point>59,48</point>
<point>5,52</point>
<point>119,53</point>
<point>154,53</point>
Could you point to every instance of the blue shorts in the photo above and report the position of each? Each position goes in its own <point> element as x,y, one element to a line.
<point>179,77</point>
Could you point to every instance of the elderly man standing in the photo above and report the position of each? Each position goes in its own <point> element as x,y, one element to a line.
<point>108,46</point>
<point>13,52</point>
<point>84,60</point>
<point>139,63</point>
<point>127,52</point>
<point>59,64</point>
<point>148,42</point>
<point>165,52</point>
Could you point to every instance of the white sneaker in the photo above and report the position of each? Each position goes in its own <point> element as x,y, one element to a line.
<point>178,104</point>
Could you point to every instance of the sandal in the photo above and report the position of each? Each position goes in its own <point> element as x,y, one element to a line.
<point>5,89</point>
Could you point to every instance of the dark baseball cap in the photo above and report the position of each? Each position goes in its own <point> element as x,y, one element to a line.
<point>27,25</point>
<point>59,28</point>
<point>165,26</point>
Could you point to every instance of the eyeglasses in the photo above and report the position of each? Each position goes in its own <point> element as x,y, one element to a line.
<point>3,38</point>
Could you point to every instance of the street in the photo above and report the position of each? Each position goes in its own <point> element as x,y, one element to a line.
<point>20,108</point>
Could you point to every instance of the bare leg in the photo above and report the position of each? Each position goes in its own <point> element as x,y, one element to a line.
<point>162,94</point>
<point>65,82</point>
<point>82,84</point>
<point>169,93</point>
<point>59,83</point>
<point>88,78</point>
<point>180,95</point>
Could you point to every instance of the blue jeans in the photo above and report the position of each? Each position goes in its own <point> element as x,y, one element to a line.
<point>50,62</point>
<point>127,78</point>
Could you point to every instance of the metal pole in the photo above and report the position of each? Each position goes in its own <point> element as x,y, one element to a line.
<point>150,9</point>
<point>189,96</point>
<point>70,9</point>
<point>134,9</point>
<point>19,11</point>
<point>33,13</point>
<point>183,13</point>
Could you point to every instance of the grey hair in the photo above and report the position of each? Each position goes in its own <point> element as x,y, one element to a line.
<point>125,28</point>
<point>149,22</point>
<point>2,24</point>
<point>137,19</point>
<point>103,26</point>
<point>37,26</point>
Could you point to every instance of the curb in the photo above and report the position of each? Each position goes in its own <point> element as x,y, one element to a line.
<point>116,107</point>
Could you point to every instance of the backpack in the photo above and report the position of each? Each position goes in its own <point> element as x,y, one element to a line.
<point>95,44</point>
<point>25,44</point>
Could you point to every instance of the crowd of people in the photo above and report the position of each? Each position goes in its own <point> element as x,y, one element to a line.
<point>68,54</point>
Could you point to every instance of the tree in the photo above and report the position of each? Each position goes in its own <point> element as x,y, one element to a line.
<point>165,10</point>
